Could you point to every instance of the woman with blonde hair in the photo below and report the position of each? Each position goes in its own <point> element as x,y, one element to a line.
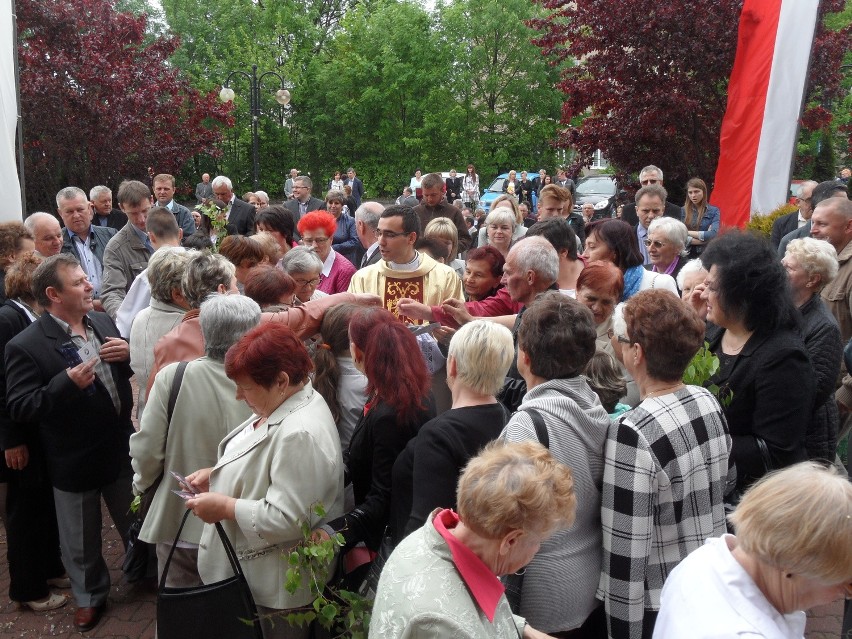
<point>504,201</point>
<point>811,264</point>
<point>791,552</point>
<point>444,230</point>
<point>511,498</point>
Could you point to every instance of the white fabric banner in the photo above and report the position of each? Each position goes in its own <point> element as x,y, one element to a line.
<point>787,79</point>
<point>10,186</point>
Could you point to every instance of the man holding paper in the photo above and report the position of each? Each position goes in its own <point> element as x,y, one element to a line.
<point>69,372</point>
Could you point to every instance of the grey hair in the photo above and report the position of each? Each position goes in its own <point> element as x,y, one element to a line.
<point>263,196</point>
<point>224,320</point>
<point>301,259</point>
<point>369,213</point>
<point>34,218</point>
<point>204,273</point>
<point>165,271</point>
<point>536,254</point>
<point>305,180</point>
<point>502,215</point>
<point>96,191</point>
<point>692,266</point>
<point>335,196</point>
<point>653,190</point>
<point>674,230</point>
<point>220,180</point>
<point>69,193</point>
<point>816,257</point>
<point>651,169</point>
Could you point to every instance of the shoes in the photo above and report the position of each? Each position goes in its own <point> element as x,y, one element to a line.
<point>87,618</point>
<point>59,582</point>
<point>52,602</point>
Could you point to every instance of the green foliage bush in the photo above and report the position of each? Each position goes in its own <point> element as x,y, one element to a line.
<point>762,224</point>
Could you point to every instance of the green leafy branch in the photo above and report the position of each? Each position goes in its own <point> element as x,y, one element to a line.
<point>341,612</point>
<point>702,367</point>
<point>216,215</point>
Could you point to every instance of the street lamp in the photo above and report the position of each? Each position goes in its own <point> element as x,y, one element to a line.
<point>282,97</point>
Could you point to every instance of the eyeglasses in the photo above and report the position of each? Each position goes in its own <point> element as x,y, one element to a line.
<point>390,234</point>
<point>611,333</point>
<point>314,240</point>
<point>648,181</point>
<point>307,283</point>
<point>657,244</point>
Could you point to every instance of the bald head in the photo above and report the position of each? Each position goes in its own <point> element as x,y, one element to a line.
<point>46,232</point>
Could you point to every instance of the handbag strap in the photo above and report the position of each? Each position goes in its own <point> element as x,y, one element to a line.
<point>229,551</point>
<point>539,425</point>
<point>173,393</point>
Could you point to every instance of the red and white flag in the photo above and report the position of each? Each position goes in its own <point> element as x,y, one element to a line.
<point>758,136</point>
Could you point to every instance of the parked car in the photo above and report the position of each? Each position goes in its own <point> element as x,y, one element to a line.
<point>496,188</point>
<point>601,191</point>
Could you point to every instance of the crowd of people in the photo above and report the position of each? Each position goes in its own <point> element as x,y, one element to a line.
<point>495,413</point>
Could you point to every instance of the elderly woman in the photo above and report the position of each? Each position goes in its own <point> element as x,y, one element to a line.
<point>511,498</point>
<point>32,537</point>
<point>15,240</point>
<point>269,245</point>
<point>504,201</point>
<point>426,473</point>
<point>666,463</point>
<point>317,229</point>
<point>190,439</point>
<point>692,275</point>
<point>615,241</point>
<point>765,378</point>
<point>272,469</point>
<point>483,272</point>
<point>556,340</point>
<point>305,267</point>
<point>262,199</point>
<point>270,287</point>
<point>810,265</point>
<point>500,227</point>
<point>666,244</point>
<point>345,241</point>
<point>277,221</point>
<point>386,352</point>
<point>757,583</point>
<point>168,306</point>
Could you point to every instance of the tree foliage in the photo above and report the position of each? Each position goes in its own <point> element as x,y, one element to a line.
<point>651,84</point>
<point>98,103</point>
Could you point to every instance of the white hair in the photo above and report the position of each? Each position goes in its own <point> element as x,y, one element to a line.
<point>221,180</point>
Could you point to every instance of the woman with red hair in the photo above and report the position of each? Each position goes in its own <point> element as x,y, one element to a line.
<point>398,404</point>
<point>317,230</point>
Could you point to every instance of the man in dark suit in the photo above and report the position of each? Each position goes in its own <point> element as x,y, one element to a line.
<point>454,187</point>
<point>80,238</point>
<point>105,215</point>
<point>164,192</point>
<point>302,202</point>
<point>366,224</point>
<point>240,214</point>
<point>649,175</point>
<point>69,372</point>
<point>797,219</point>
<point>356,184</point>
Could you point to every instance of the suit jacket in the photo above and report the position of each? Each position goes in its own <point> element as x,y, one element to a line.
<point>277,473</point>
<point>101,235</point>
<point>628,214</point>
<point>13,320</point>
<point>783,225</point>
<point>357,190</point>
<point>454,188</point>
<point>241,217</point>
<point>115,220</point>
<point>85,439</point>
<point>795,234</point>
<point>374,257</point>
<point>313,204</point>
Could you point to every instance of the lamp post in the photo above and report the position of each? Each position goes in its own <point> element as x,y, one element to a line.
<point>282,97</point>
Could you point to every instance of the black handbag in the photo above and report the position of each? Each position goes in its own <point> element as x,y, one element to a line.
<point>222,609</point>
<point>137,552</point>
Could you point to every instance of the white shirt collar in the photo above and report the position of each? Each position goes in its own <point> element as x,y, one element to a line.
<point>329,262</point>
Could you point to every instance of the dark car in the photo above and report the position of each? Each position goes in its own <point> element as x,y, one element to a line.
<point>601,191</point>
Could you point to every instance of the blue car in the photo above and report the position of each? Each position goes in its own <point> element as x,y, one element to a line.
<point>496,188</point>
